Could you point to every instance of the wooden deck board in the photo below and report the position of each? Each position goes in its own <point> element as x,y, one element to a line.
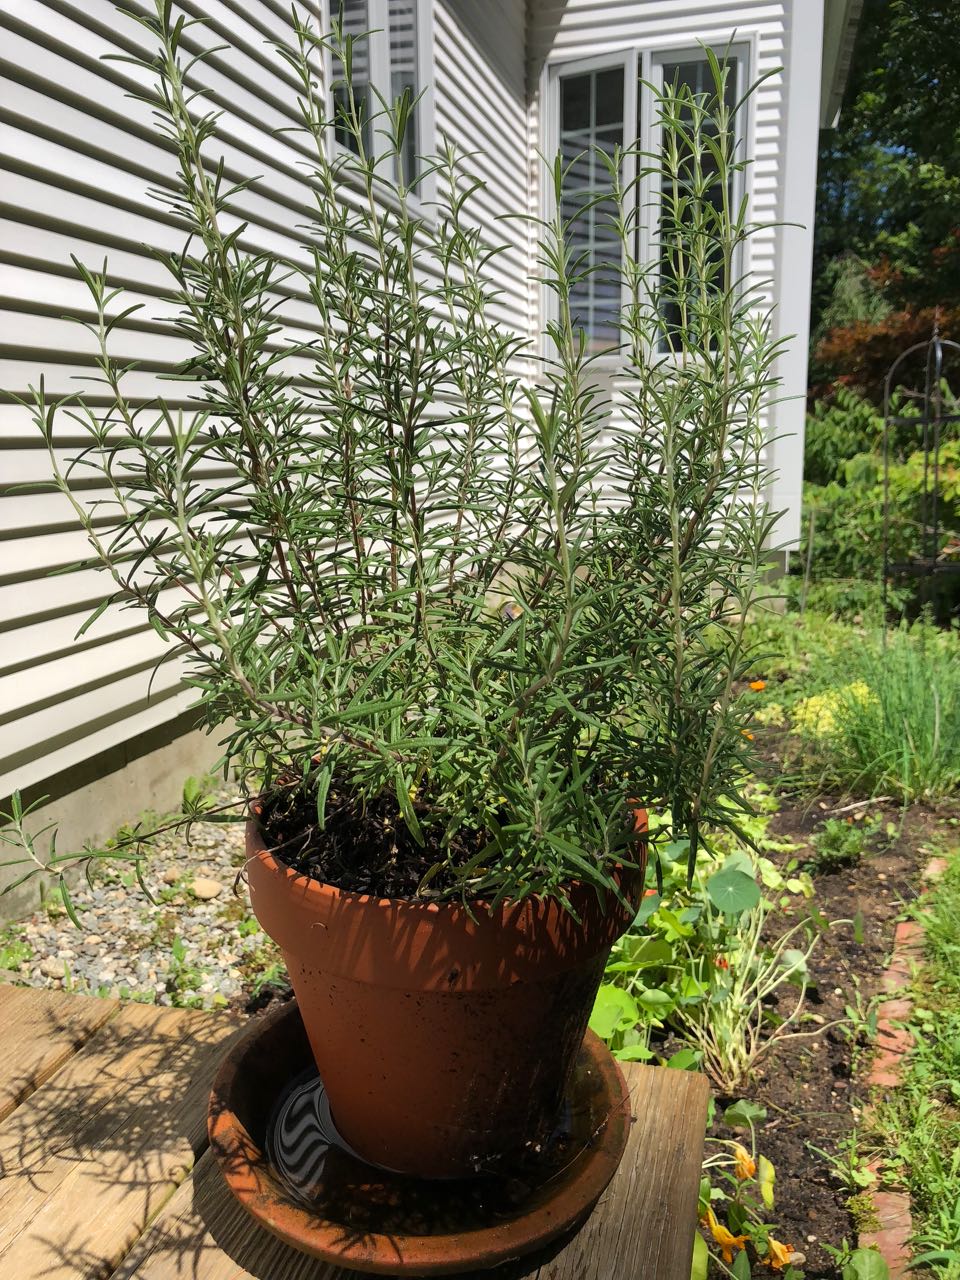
<point>41,1030</point>
<point>93,1154</point>
<point>104,1170</point>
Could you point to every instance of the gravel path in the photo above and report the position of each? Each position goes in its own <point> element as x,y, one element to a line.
<point>197,946</point>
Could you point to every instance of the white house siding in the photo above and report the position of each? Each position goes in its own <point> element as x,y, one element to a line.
<point>76,158</point>
<point>781,34</point>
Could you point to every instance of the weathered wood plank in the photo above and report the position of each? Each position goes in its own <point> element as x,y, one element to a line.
<point>90,1157</point>
<point>644,1225</point>
<point>205,1234</point>
<point>41,1030</point>
<point>641,1230</point>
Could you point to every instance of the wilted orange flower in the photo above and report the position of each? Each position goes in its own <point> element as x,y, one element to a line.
<point>778,1255</point>
<point>724,1238</point>
<point>758,685</point>
<point>744,1164</point>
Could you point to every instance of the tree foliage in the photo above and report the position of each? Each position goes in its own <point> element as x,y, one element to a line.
<point>888,198</point>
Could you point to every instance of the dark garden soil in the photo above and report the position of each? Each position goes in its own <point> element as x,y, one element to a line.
<point>808,1085</point>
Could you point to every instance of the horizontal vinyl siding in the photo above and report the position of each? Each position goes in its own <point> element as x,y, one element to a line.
<point>568,30</point>
<point>76,159</point>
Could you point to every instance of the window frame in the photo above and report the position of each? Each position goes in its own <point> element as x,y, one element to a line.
<point>378,45</point>
<point>628,61</point>
<point>643,68</point>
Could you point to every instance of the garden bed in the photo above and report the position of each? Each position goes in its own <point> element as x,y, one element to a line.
<point>814,1090</point>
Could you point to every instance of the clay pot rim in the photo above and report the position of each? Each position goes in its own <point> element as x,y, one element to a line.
<point>480,905</point>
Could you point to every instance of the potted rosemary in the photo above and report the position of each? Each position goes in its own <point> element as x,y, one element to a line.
<point>461,624</point>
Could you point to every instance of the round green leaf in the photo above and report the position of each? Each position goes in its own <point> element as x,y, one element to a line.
<point>614,1010</point>
<point>732,891</point>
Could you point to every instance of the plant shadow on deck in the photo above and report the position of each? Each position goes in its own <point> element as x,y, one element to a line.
<point>105,1168</point>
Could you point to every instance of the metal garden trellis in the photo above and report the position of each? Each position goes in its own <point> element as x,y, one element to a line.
<point>936,354</point>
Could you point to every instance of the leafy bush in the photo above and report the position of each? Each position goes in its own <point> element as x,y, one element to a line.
<point>860,355</point>
<point>838,428</point>
<point>844,498</point>
<point>696,964</point>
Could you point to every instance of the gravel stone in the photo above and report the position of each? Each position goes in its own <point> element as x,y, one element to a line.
<point>203,888</point>
<point>183,948</point>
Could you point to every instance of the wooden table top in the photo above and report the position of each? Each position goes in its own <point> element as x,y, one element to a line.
<point>105,1171</point>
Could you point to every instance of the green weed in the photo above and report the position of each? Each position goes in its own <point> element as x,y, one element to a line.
<point>14,949</point>
<point>841,843</point>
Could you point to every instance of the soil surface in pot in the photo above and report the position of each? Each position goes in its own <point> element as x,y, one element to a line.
<point>363,847</point>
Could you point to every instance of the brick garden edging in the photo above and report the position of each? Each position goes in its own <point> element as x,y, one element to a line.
<point>886,1072</point>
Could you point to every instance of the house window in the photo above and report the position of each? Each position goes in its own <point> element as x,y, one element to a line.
<point>679,282</point>
<point>592,106</point>
<point>356,23</point>
<point>596,106</point>
<point>391,56</point>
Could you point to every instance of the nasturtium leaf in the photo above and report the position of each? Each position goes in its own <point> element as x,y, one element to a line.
<point>675,850</point>
<point>865,1264</point>
<point>647,907</point>
<point>741,1266</point>
<point>795,963</point>
<point>691,989</point>
<point>736,1217</point>
<point>701,1258</point>
<point>633,1053</point>
<point>684,1060</point>
<point>653,1001</point>
<point>673,926</point>
<point>645,952</point>
<point>614,1010</point>
<point>742,1114</point>
<point>740,860</point>
<point>733,891</point>
<point>703,1200</point>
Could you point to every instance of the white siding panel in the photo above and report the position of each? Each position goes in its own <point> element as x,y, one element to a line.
<point>77,155</point>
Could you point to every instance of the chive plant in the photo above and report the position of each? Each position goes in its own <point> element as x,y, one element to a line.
<point>404,572</point>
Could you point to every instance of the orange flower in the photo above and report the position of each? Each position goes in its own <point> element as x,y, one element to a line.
<point>722,962</point>
<point>744,1164</point>
<point>723,1237</point>
<point>747,734</point>
<point>778,1255</point>
<point>758,685</point>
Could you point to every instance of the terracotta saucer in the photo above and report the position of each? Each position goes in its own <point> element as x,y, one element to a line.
<point>273,1136</point>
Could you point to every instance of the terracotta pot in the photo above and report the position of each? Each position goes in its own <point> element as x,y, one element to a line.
<point>445,1040</point>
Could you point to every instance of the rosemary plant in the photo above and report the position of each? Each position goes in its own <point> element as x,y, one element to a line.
<point>450,614</point>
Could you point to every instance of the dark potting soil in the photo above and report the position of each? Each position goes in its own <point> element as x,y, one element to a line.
<point>362,848</point>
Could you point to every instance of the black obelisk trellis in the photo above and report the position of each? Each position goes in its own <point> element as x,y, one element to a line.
<point>934,358</point>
